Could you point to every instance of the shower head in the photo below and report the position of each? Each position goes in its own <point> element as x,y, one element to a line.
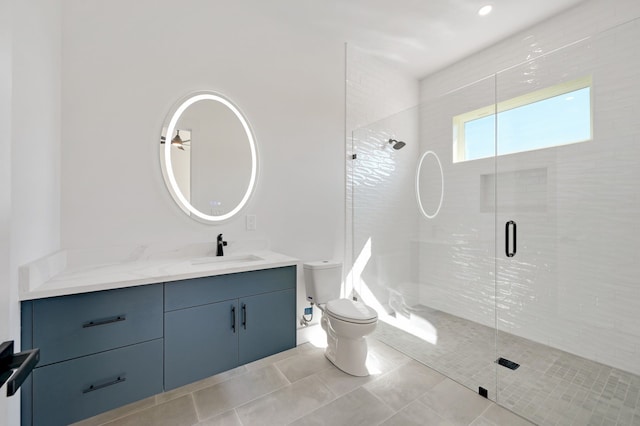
<point>397,144</point>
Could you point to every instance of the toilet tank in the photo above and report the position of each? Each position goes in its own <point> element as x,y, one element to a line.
<point>322,280</point>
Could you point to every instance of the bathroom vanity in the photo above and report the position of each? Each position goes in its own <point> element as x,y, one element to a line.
<point>110,343</point>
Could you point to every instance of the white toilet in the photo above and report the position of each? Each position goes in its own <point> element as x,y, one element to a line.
<point>345,321</point>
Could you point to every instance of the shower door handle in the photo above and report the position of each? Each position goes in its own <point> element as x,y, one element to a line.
<point>509,239</point>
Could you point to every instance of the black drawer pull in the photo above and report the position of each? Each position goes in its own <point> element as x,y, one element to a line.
<point>233,318</point>
<point>104,321</point>
<point>92,388</point>
<point>244,316</point>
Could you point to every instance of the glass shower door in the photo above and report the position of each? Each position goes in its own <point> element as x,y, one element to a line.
<point>567,208</point>
<point>423,235</point>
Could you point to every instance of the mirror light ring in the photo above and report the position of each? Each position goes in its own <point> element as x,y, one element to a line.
<point>167,155</point>
<point>422,210</point>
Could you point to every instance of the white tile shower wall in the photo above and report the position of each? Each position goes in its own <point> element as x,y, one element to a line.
<point>375,90</point>
<point>385,210</point>
<point>574,283</point>
<point>456,247</point>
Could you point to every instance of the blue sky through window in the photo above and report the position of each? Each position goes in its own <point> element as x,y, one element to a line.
<point>558,120</point>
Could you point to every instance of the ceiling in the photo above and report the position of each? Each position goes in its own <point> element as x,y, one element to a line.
<point>420,36</point>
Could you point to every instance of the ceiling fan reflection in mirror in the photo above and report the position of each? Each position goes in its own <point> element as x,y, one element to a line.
<point>177,141</point>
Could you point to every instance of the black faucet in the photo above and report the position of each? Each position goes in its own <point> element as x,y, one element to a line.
<point>220,251</point>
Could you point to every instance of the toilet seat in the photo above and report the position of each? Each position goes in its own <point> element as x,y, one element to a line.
<point>351,311</point>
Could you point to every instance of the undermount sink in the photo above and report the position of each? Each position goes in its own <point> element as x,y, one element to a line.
<point>239,258</point>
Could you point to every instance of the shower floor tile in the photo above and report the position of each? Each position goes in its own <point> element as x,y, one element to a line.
<point>551,387</point>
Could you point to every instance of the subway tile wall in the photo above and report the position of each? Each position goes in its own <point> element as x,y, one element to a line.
<point>375,90</point>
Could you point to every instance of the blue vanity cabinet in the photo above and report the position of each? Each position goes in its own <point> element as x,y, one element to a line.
<point>217,323</point>
<point>100,350</point>
<point>105,349</point>
<point>200,342</point>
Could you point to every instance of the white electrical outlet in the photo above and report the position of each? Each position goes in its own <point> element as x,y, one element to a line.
<point>251,222</point>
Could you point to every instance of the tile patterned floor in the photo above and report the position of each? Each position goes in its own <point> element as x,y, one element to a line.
<point>300,387</point>
<point>551,387</point>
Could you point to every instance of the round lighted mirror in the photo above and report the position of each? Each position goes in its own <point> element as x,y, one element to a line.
<point>429,184</point>
<point>208,157</point>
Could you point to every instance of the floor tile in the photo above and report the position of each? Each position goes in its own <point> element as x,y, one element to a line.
<point>200,384</point>
<point>177,412</point>
<point>228,418</point>
<point>455,402</point>
<point>239,390</point>
<point>286,404</point>
<point>404,384</point>
<point>496,415</point>
<point>255,365</point>
<point>305,364</point>
<point>358,407</point>
<point>340,382</point>
<point>382,358</point>
<point>416,414</point>
<point>118,412</point>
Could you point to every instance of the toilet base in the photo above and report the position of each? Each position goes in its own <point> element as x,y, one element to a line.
<point>349,355</point>
<point>346,352</point>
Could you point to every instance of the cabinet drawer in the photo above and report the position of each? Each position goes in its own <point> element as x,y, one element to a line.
<point>73,390</point>
<point>71,326</point>
<point>202,291</point>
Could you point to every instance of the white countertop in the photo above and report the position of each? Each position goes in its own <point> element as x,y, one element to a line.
<point>58,275</point>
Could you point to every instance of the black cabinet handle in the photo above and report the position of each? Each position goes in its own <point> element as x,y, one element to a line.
<point>92,388</point>
<point>244,316</point>
<point>105,321</point>
<point>509,226</point>
<point>233,318</point>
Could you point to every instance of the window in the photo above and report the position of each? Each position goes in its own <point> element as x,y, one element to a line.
<point>557,115</point>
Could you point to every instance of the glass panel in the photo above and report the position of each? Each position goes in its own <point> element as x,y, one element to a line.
<point>424,238</point>
<point>568,299</point>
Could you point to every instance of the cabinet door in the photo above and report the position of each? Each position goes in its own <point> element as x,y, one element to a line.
<point>267,324</point>
<point>200,342</point>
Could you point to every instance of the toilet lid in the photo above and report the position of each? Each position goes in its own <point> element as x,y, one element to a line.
<point>351,311</point>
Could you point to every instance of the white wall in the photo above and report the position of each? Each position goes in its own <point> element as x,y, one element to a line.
<point>121,75</point>
<point>7,329</point>
<point>36,131</point>
<point>30,122</point>
<point>573,283</point>
<point>119,78</point>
